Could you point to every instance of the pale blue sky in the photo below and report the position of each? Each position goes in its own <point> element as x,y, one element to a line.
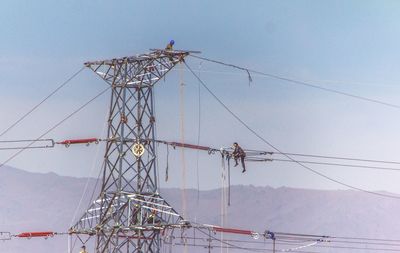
<point>347,45</point>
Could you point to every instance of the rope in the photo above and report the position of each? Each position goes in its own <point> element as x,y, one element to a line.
<point>166,168</point>
<point>69,244</point>
<point>229,180</point>
<point>223,198</point>
<point>95,186</point>
<point>182,133</point>
<point>182,121</point>
<point>289,157</point>
<point>198,144</point>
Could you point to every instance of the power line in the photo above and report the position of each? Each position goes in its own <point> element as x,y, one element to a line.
<point>54,127</point>
<point>336,237</point>
<point>258,156</point>
<point>326,163</point>
<point>249,248</point>
<point>325,157</point>
<point>282,239</point>
<point>275,148</point>
<point>308,84</point>
<point>292,242</point>
<point>325,81</point>
<point>41,102</point>
<point>341,158</point>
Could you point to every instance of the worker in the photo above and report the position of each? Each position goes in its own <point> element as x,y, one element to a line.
<point>152,219</point>
<point>170,45</point>
<point>239,153</point>
<point>83,250</point>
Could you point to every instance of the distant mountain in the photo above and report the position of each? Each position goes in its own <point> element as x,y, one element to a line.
<point>40,202</point>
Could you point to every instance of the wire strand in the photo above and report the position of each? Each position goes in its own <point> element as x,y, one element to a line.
<point>256,159</point>
<point>94,164</point>
<point>41,102</point>
<point>54,127</point>
<point>303,83</point>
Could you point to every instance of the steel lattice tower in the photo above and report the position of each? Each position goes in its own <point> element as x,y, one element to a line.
<point>129,214</point>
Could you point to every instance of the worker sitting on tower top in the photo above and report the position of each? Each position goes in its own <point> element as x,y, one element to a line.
<point>238,153</point>
<point>170,45</point>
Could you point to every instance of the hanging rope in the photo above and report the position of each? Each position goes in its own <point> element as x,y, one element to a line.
<point>229,179</point>
<point>223,198</point>
<point>198,143</point>
<point>166,168</point>
<point>249,76</point>
<point>182,126</point>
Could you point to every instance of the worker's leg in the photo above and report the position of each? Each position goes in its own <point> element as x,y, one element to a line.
<point>243,164</point>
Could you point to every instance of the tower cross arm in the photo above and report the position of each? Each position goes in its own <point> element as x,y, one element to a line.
<point>153,54</point>
<point>140,70</point>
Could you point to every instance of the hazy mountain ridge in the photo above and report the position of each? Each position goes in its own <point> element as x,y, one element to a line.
<point>40,202</point>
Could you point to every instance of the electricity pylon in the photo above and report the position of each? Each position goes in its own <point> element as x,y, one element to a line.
<point>129,216</point>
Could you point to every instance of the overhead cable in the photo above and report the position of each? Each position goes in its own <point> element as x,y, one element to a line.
<point>332,164</point>
<point>304,83</point>
<point>41,102</point>
<point>54,127</point>
<point>276,149</point>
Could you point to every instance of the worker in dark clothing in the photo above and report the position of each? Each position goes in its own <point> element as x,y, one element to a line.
<point>238,153</point>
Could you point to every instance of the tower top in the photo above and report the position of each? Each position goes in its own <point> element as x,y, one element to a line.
<point>153,54</point>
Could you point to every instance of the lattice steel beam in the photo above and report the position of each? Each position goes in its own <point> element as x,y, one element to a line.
<point>129,214</point>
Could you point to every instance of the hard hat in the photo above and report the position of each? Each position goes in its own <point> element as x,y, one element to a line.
<point>172,42</point>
